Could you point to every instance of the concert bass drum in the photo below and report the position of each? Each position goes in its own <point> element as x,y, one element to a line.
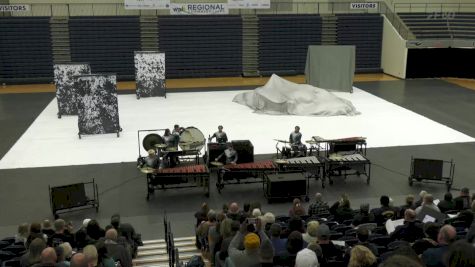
<point>191,139</point>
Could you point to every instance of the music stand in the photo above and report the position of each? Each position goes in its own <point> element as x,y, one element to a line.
<point>432,171</point>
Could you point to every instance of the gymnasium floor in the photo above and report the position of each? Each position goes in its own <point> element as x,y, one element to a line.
<point>24,191</point>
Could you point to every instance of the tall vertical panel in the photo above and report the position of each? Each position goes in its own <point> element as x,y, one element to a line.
<point>149,74</point>
<point>64,76</point>
<point>98,110</point>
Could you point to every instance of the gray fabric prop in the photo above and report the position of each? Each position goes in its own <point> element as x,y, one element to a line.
<point>331,67</point>
<point>280,97</point>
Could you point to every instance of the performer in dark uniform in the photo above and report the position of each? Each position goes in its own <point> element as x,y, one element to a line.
<point>295,139</point>
<point>177,130</point>
<point>230,153</point>
<point>150,161</point>
<point>220,136</point>
<point>172,145</point>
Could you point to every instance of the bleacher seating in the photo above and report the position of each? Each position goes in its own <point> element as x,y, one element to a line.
<point>106,43</point>
<point>438,25</point>
<point>365,31</point>
<point>283,42</point>
<point>25,50</point>
<point>201,46</point>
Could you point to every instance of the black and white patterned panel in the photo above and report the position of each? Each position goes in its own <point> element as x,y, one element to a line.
<point>150,73</point>
<point>98,111</point>
<point>64,75</point>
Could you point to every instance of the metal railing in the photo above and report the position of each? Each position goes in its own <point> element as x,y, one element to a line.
<point>118,9</point>
<point>433,7</point>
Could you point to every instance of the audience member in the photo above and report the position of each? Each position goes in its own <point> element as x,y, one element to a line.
<point>341,210</point>
<point>297,208</point>
<point>278,243</point>
<point>361,256</point>
<point>306,258</point>
<point>385,212</point>
<point>409,205</point>
<point>90,252</point>
<point>251,255</point>
<point>33,256</point>
<point>22,234</point>
<point>363,215</point>
<point>227,238</point>
<point>411,230</point>
<point>48,258</point>
<point>94,230</point>
<point>256,213</point>
<point>319,207</point>
<point>329,250</point>
<point>431,231</point>
<point>429,203</point>
<point>67,251</point>
<point>294,224</point>
<point>447,204</point>
<point>202,213</point>
<point>47,228</point>
<point>295,243</point>
<point>399,260</point>
<point>461,254</point>
<point>311,235</point>
<point>421,199</point>
<point>363,236</point>
<point>35,232</point>
<point>61,257</point>
<point>103,260</point>
<point>59,235</point>
<point>203,230</point>
<point>234,212</point>
<point>462,202</point>
<point>434,257</point>
<point>117,251</point>
<point>79,260</point>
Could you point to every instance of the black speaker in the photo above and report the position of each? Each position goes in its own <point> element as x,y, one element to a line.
<point>214,150</point>
<point>68,196</point>
<point>244,149</point>
<point>428,169</point>
<point>286,185</point>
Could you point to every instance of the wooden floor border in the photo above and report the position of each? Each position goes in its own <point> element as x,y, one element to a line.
<point>191,83</point>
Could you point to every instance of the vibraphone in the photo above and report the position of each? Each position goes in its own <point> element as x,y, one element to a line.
<point>244,173</point>
<point>349,164</point>
<point>312,166</point>
<point>179,177</point>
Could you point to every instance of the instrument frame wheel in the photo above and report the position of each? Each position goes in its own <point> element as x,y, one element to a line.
<point>330,181</point>
<point>59,115</point>
<point>79,135</point>
<point>207,194</point>
<point>138,97</point>
<point>367,181</point>
<point>118,134</point>
<point>410,181</point>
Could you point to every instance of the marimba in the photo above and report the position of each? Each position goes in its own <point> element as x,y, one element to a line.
<point>347,164</point>
<point>244,173</point>
<point>179,177</point>
<point>310,165</point>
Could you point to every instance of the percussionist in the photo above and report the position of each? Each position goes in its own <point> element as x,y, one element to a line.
<point>220,136</point>
<point>295,140</point>
<point>150,161</point>
<point>172,145</point>
<point>230,153</point>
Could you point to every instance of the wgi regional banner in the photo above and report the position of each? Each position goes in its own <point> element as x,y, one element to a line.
<point>147,4</point>
<point>14,8</point>
<point>199,9</point>
<point>249,4</point>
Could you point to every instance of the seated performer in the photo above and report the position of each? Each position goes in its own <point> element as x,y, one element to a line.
<point>231,155</point>
<point>177,130</point>
<point>172,145</point>
<point>295,139</point>
<point>151,161</point>
<point>220,136</point>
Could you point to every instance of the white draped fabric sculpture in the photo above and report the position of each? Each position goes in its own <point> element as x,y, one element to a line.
<point>281,97</point>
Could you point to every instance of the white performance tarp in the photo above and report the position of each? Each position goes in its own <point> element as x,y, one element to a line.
<point>281,97</point>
